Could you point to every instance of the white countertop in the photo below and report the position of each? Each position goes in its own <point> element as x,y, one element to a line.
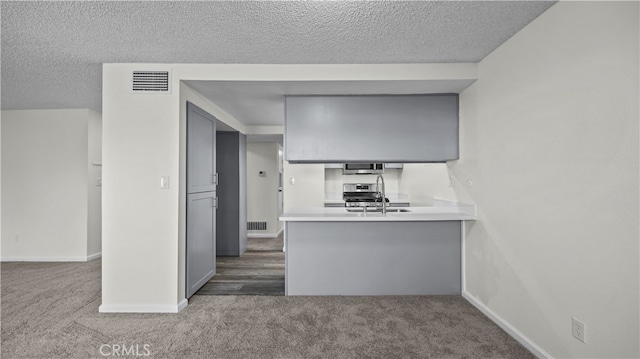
<point>440,211</point>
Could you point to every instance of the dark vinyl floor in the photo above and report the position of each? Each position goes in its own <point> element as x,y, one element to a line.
<point>258,271</point>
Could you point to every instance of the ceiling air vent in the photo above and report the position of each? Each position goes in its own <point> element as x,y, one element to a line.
<point>150,82</point>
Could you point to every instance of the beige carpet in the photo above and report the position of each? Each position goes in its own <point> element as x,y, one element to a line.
<point>50,310</point>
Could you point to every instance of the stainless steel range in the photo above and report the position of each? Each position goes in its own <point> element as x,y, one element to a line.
<point>362,195</point>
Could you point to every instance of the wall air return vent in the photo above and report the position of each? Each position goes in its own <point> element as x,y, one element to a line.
<point>150,82</point>
<point>257,226</point>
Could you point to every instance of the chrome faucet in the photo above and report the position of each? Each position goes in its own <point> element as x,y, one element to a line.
<point>383,194</point>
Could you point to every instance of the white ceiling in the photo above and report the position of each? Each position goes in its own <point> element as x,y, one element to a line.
<point>52,51</point>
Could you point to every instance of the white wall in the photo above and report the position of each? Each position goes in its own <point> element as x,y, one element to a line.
<point>262,191</point>
<point>94,184</point>
<point>425,181</point>
<point>45,185</point>
<point>303,185</point>
<point>1,236</point>
<point>141,143</point>
<point>550,140</point>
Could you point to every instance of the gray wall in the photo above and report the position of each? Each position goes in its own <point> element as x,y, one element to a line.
<point>231,217</point>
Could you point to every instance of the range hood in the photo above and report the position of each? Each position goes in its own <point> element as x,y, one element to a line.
<point>362,168</point>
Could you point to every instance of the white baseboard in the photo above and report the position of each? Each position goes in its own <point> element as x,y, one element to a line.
<point>183,304</point>
<point>261,235</point>
<point>94,256</point>
<point>51,259</point>
<point>143,308</point>
<point>513,332</point>
<point>265,235</point>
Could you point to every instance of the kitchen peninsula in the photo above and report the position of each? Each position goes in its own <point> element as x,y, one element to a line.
<point>413,251</point>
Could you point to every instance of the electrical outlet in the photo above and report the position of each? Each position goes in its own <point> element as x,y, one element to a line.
<point>577,329</point>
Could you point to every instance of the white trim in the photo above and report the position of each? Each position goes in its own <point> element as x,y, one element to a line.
<point>286,260</point>
<point>261,235</point>
<point>143,308</point>
<point>183,304</point>
<point>47,259</point>
<point>265,235</point>
<point>513,332</point>
<point>94,256</point>
<point>463,259</point>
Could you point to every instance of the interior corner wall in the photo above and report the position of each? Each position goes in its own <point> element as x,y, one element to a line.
<point>44,185</point>
<point>1,236</point>
<point>262,187</point>
<point>94,185</point>
<point>550,140</point>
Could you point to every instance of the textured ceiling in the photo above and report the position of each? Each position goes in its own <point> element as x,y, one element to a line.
<point>52,51</point>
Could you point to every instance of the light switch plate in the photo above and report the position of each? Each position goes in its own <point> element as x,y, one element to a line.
<point>164,182</point>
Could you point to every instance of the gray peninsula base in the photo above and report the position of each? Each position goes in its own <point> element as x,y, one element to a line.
<point>373,258</point>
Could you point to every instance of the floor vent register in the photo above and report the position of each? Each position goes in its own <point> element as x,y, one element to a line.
<point>256,226</point>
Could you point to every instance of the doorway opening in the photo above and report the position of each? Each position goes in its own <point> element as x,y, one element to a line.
<point>258,268</point>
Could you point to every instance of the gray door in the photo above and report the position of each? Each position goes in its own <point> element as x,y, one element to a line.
<point>201,257</point>
<point>201,150</point>
<point>201,199</point>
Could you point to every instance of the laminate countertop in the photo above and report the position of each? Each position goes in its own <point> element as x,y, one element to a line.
<point>442,210</point>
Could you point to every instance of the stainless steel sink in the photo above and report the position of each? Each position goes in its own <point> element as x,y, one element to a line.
<point>378,210</point>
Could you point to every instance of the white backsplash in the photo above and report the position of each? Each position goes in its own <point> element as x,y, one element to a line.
<point>334,179</point>
<point>425,181</point>
<point>421,182</point>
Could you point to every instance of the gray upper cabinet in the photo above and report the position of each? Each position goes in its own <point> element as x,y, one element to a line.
<point>375,128</point>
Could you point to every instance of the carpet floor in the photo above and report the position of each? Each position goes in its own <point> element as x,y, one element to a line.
<point>50,310</point>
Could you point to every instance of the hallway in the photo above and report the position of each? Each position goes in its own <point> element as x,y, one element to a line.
<point>259,271</point>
